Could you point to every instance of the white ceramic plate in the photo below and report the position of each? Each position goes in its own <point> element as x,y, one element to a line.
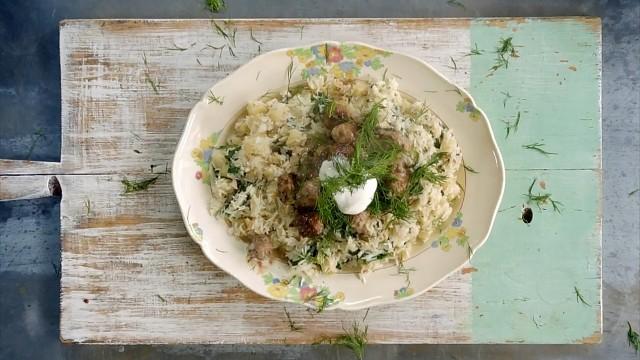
<point>442,255</point>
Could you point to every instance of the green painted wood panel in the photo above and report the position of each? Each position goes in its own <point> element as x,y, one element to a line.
<point>524,287</point>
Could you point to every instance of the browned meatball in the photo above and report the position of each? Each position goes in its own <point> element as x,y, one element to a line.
<point>286,187</point>
<point>400,174</point>
<point>260,247</point>
<point>396,137</point>
<point>308,194</point>
<point>344,133</point>
<point>309,223</point>
<point>359,222</point>
<point>345,150</point>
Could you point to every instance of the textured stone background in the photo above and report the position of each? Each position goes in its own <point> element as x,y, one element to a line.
<point>29,230</point>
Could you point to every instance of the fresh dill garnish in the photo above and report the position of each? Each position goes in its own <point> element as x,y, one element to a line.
<point>631,193</point>
<point>511,126</point>
<point>355,339</point>
<point>456,3</point>
<point>290,70</point>
<point>633,337</point>
<point>155,84</point>
<point>211,98</point>
<point>537,146</point>
<point>215,5</point>
<point>579,298</point>
<point>255,40</point>
<point>37,135</point>
<point>507,96</point>
<point>179,48</point>
<point>87,205</point>
<point>228,34</point>
<point>292,324</point>
<point>542,199</point>
<point>455,66</point>
<point>475,51</point>
<point>322,105</point>
<point>134,186</point>
<point>470,169</point>
<point>161,298</point>
<point>505,51</point>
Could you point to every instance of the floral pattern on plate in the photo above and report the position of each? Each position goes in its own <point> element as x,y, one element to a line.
<point>344,60</point>
<point>300,290</point>
<point>455,232</point>
<point>202,155</point>
<point>466,105</point>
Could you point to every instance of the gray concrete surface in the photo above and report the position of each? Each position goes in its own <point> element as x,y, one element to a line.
<point>29,230</point>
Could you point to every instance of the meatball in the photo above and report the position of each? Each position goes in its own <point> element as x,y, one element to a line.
<point>345,150</point>
<point>344,133</point>
<point>359,222</point>
<point>286,187</point>
<point>400,180</point>
<point>396,137</point>
<point>260,247</point>
<point>308,194</point>
<point>309,223</point>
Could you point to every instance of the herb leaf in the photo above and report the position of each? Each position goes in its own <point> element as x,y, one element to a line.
<point>579,298</point>
<point>214,99</point>
<point>215,5</point>
<point>542,199</point>
<point>354,339</point>
<point>633,337</point>
<point>512,126</point>
<point>135,186</point>
<point>537,146</point>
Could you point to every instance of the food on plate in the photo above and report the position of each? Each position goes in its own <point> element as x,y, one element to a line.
<point>335,175</point>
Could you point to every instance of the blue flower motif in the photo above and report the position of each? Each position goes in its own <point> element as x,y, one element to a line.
<point>469,107</point>
<point>313,71</point>
<point>367,63</point>
<point>347,66</point>
<point>434,244</point>
<point>457,222</point>
<point>275,281</point>
<point>207,155</point>
<point>316,52</point>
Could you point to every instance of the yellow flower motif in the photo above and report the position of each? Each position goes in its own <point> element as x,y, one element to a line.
<point>206,144</point>
<point>196,154</point>
<point>277,290</point>
<point>339,296</point>
<point>446,246</point>
<point>365,53</point>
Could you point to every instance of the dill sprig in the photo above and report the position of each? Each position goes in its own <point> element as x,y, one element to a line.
<point>631,193</point>
<point>322,105</point>
<point>537,146</point>
<point>36,136</point>
<point>456,3</point>
<point>211,98</point>
<point>542,199</point>
<point>505,51</point>
<point>507,96</point>
<point>579,298</point>
<point>354,339</point>
<point>475,51</point>
<point>155,84</point>
<point>470,169</point>
<point>135,186</point>
<point>290,70</point>
<point>253,38</point>
<point>512,126</point>
<point>179,48</point>
<point>633,337</point>
<point>292,324</point>
<point>228,34</point>
<point>215,5</point>
<point>455,66</point>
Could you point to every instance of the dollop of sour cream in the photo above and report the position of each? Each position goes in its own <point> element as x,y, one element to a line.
<point>350,201</point>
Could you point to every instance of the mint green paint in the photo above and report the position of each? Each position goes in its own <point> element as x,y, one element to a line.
<point>523,290</point>
<point>558,106</point>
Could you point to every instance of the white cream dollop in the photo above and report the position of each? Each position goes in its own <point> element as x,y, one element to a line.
<point>349,201</point>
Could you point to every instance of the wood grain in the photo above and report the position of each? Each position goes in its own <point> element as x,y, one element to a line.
<point>130,273</point>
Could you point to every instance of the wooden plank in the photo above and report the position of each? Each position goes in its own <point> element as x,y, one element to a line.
<point>114,122</point>
<point>528,274</point>
<point>134,276</point>
<point>130,274</point>
<point>28,187</point>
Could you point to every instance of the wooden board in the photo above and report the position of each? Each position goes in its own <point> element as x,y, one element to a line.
<point>130,274</point>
